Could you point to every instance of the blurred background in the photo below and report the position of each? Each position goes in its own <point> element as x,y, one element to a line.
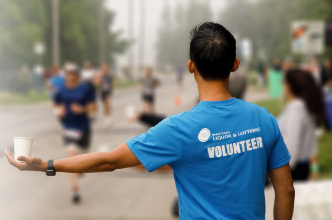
<point>38,38</point>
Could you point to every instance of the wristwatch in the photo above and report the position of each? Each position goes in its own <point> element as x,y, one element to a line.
<point>50,169</point>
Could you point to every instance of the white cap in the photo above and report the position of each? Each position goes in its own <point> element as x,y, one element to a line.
<point>71,67</point>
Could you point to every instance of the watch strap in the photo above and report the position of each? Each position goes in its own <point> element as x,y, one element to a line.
<point>50,165</point>
<point>50,168</point>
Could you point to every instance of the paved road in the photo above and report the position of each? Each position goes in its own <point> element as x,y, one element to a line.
<point>124,194</point>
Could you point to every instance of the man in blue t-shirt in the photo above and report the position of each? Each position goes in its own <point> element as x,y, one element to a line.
<point>220,151</point>
<point>73,102</point>
<point>56,81</point>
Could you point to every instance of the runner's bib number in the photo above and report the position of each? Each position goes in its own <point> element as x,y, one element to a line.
<point>73,134</point>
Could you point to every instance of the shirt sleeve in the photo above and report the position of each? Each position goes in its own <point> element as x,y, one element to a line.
<point>279,155</point>
<point>160,146</point>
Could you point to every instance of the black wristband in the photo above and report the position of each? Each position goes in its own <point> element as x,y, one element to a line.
<point>50,168</point>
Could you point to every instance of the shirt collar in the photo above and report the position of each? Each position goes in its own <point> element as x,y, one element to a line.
<point>216,103</point>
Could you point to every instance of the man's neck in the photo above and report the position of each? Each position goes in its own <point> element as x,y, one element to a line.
<point>213,90</point>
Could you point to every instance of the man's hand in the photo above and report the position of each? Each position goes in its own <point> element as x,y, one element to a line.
<point>77,109</point>
<point>28,164</point>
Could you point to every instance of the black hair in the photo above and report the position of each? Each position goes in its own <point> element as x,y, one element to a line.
<point>213,50</point>
<point>303,85</point>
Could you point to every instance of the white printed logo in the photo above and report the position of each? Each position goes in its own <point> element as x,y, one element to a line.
<point>204,135</point>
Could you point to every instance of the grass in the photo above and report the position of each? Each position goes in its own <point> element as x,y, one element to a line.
<point>324,142</point>
<point>22,99</point>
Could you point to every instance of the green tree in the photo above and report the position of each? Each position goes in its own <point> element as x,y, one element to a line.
<point>23,23</point>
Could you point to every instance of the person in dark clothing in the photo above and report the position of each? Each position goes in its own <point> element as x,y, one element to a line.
<point>326,72</point>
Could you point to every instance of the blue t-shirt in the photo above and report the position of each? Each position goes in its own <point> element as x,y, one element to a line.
<point>57,82</point>
<point>82,95</point>
<point>220,153</point>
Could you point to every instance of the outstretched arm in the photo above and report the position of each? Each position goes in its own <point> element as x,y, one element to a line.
<point>119,158</point>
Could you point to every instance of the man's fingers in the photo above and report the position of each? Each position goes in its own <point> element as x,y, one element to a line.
<point>12,161</point>
<point>7,152</point>
<point>9,156</point>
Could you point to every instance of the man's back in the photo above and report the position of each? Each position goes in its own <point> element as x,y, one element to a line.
<point>220,152</point>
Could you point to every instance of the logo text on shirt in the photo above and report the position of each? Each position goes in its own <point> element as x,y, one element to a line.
<point>235,148</point>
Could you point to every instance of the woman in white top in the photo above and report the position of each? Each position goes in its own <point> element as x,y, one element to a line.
<point>298,120</point>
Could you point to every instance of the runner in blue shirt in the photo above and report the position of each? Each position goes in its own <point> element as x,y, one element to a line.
<point>56,81</point>
<point>220,151</point>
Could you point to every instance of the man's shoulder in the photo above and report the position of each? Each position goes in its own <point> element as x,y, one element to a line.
<point>254,107</point>
<point>185,116</point>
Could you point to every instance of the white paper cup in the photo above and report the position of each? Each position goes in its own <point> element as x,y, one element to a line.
<point>131,110</point>
<point>22,146</point>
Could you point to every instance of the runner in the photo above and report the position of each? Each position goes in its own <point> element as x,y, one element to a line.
<point>105,81</point>
<point>88,72</point>
<point>179,79</point>
<point>179,76</point>
<point>73,102</point>
<point>56,81</point>
<point>147,85</point>
<point>220,151</point>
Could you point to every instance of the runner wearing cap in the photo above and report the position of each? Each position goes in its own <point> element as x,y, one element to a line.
<point>73,102</point>
<point>220,151</point>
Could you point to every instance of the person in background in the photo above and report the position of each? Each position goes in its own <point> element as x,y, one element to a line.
<point>38,71</point>
<point>146,118</point>
<point>88,72</point>
<point>293,64</point>
<point>73,102</point>
<point>313,68</point>
<point>297,121</point>
<point>286,65</point>
<point>88,76</point>
<point>276,64</point>
<point>261,72</point>
<point>147,85</point>
<point>326,72</point>
<point>25,80</point>
<point>179,75</point>
<point>179,79</point>
<point>56,80</point>
<point>105,81</point>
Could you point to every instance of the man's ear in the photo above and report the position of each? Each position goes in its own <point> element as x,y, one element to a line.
<point>191,66</point>
<point>236,64</point>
